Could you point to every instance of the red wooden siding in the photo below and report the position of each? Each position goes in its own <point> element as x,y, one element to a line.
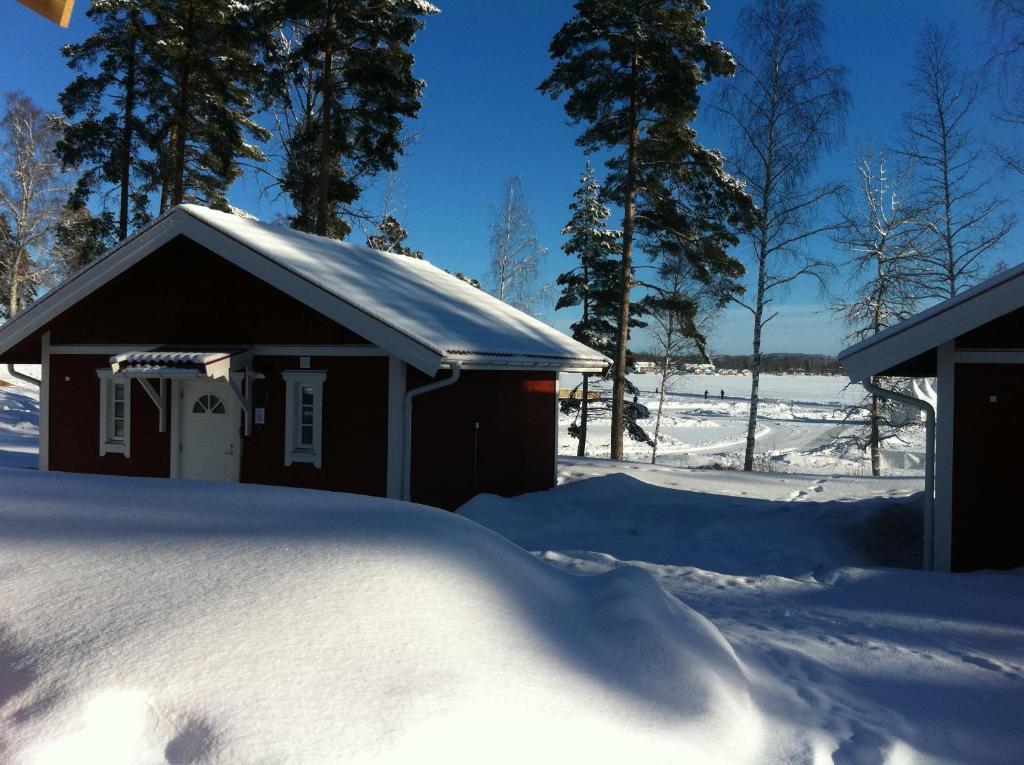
<point>355,446</point>
<point>75,424</point>
<point>988,525</point>
<point>182,294</point>
<point>1005,332</point>
<point>513,450</point>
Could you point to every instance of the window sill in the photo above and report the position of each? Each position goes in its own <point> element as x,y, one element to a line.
<point>308,457</point>
<point>113,448</point>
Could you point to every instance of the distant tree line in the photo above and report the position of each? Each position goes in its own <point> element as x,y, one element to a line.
<point>772,363</point>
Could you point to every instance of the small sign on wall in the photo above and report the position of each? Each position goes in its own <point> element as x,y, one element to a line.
<point>259,415</point>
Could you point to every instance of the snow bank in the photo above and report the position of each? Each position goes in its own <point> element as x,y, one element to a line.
<point>850,665</point>
<point>146,621</point>
<point>632,519</point>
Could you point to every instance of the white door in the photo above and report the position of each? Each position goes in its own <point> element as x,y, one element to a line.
<point>210,425</point>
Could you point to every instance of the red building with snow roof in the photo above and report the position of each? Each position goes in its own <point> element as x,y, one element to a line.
<point>209,346</point>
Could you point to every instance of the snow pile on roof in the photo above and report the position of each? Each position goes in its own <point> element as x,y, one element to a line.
<point>193,622</point>
<point>420,300</point>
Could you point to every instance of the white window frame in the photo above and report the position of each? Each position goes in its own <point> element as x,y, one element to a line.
<point>295,380</point>
<point>109,444</point>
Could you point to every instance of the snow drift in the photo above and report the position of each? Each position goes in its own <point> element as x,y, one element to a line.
<point>148,621</point>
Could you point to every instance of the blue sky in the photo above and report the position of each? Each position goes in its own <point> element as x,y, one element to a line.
<point>483,121</point>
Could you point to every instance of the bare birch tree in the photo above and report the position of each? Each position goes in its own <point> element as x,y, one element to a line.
<point>877,230</point>
<point>786,106</point>
<point>960,223</point>
<point>32,195</point>
<point>516,252</point>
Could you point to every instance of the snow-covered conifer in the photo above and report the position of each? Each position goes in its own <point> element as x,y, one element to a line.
<point>631,73</point>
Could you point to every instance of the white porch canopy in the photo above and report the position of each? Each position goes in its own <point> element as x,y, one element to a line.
<point>233,367</point>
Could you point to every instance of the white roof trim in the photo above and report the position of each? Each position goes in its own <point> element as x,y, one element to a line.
<point>934,326</point>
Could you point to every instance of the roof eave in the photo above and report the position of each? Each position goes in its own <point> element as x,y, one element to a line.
<point>933,327</point>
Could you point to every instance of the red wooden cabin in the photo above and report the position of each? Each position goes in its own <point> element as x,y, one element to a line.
<point>209,346</point>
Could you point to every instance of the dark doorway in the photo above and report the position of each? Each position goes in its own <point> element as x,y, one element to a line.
<point>988,467</point>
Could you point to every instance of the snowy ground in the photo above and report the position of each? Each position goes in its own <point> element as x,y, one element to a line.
<point>799,420</point>
<point>147,621</point>
<point>19,421</point>
<point>848,661</point>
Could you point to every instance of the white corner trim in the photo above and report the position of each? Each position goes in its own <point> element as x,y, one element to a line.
<point>396,425</point>
<point>44,404</point>
<point>177,391</point>
<point>295,380</point>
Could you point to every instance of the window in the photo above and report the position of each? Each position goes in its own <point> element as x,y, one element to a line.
<point>208,404</point>
<point>115,413</point>
<point>303,421</point>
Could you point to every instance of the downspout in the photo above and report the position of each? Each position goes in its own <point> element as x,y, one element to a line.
<point>23,377</point>
<point>929,464</point>
<point>456,368</point>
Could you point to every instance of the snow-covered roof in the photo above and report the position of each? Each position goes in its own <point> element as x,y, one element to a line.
<point>941,323</point>
<point>406,306</point>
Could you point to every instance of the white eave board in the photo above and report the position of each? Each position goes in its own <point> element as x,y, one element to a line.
<point>936,325</point>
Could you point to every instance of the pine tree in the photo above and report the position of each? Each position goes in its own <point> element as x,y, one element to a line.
<point>81,237</point>
<point>631,70</point>
<point>207,83</point>
<point>104,127</point>
<point>589,285</point>
<point>350,88</point>
<point>391,237</point>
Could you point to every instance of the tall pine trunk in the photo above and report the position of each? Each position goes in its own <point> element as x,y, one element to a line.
<point>323,202</point>
<point>181,120</point>
<point>619,383</point>
<point>126,135</point>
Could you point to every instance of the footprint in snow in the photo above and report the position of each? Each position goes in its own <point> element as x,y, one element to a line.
<point>992,666</point>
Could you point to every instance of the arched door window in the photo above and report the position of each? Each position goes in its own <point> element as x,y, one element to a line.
<point>208,403</point>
